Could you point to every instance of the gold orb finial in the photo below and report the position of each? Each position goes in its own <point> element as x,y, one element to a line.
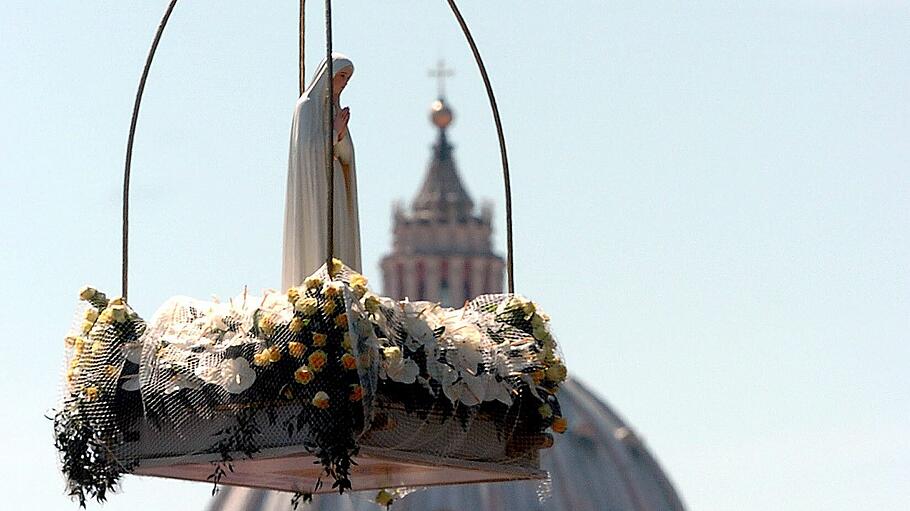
<point>440,114</point>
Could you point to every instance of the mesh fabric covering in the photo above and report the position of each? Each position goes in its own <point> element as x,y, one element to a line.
<point>328,367</point>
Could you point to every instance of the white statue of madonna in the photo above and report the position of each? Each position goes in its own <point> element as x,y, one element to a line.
<point>306,206</point>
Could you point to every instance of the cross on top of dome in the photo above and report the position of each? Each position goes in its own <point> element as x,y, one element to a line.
<point>441,73</point>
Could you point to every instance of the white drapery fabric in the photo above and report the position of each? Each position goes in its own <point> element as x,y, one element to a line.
<point>306,207</point>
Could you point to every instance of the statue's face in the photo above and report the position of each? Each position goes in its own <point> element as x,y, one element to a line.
<point>340,80</point>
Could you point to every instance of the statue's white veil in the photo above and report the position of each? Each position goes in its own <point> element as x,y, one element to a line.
<point>305,227</point>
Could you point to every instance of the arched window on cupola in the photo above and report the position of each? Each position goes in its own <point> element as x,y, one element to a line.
<point>421,281</point>
<point>488,277</point>
<point>399,276</point>
<point>445,293</point>
<point>468,294</point>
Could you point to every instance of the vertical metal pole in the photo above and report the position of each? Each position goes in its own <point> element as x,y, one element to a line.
<point>302,44</point>
<point>330,132</point>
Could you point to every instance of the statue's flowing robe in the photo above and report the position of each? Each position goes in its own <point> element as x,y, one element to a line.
<point>306,206</point>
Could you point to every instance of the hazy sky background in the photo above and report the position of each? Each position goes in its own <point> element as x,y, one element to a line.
<point>711,199</point>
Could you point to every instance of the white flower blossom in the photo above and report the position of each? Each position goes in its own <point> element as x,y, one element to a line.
<point>419,330</point>
<point>130,383</point>
<point>469,389</point>
<point>132,351</point>
<point>178,382</point>
<point>496,390</point>
<point>230,340</point>
<point>234,374</point>
<point>397,368</point>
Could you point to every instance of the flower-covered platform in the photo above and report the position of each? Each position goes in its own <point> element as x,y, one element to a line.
<point>328,383</point>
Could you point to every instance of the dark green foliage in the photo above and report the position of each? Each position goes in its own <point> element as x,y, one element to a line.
<point>90,468</point>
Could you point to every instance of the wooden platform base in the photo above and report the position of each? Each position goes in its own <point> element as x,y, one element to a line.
<point>376,469</point>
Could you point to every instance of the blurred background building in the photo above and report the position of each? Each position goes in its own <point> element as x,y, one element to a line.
<point>442,251</point>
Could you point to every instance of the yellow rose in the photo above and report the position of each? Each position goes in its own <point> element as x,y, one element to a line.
<point>545,411</point>
<point>335,267</point>
<point>516,302</point>
<point>358,280</point>
<point>293,294</point>
<point>319,340</point>
<point>313,282</point>
<point>91,393</point>
<point>262,358</point>
<point>333,290</point>
<point>296,349</point>
<point>106,316</point>
<point>384,498</point>
<point>328,307</point>
<point>117,301</point>
<point>346,341</point>
<point>557,373</point>
<point>111,371</point>
<point>87,293</point>
<point>303,375</point>
<point>72,373</point>
<point>321,400</point>
<point>296,325</point>
<point>118,313</point>
<point>560,424</point>
<point>274,354</point>
<point>342,321</point>
<point>70,341</point>
<point>359,291</point>
<point>79,345</point>
<point>541,334</point>
<point>371,303</point>
<point>349,361</point>
<point>91,314</point>
<point>549,355</point>
<point>317,360</point>
<point>97,346</point>
<point>306,306</point>
<point>266,325</point>
<point>356,393</point>
<point>87,326</point>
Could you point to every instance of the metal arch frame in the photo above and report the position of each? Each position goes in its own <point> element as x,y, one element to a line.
<point>329,128</point>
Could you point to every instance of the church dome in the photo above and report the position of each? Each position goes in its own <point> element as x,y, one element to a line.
<point>599,464</point>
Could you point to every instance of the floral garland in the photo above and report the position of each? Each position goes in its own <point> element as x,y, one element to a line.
<point>295,350</point>
<point>470,356</point>
<point>310,352</point>
<point>99,355</point>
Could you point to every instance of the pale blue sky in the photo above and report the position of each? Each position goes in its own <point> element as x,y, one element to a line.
<point>711,199</point>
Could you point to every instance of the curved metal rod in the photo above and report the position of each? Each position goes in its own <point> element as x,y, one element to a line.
<point>502,142</point>
<point>129,144</point>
